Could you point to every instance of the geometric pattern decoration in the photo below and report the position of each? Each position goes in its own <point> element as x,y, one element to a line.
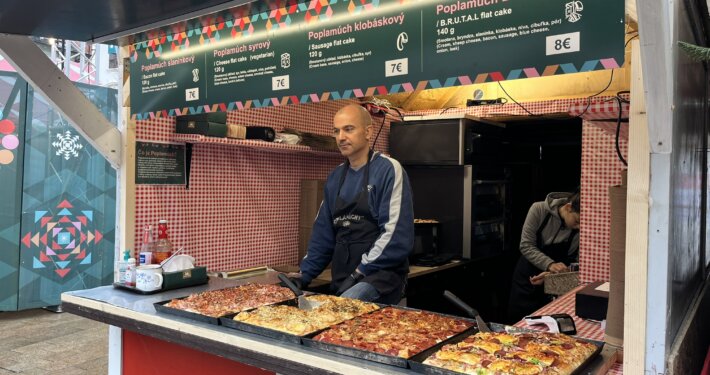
<point>67,145</point>
<point>8,141</point>
<point>67,220</point>
<point>62,240</point>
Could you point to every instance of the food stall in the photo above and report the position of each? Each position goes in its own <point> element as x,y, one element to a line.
<point>233,203</point>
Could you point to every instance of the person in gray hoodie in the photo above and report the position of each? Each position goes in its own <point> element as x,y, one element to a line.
<point>549,243</point>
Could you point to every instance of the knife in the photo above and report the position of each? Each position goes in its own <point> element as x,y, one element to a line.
<point>473,313</point>
<point>303,302</point>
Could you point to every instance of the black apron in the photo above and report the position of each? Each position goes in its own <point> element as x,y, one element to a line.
<point>355,233</point>
<point>526,298</point>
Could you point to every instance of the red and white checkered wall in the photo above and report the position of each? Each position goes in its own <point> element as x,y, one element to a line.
<point>241,208</point>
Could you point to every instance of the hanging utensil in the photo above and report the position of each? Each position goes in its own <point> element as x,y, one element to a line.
<point>473,313</point>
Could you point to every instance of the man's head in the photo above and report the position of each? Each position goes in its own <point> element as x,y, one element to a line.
<point>352,126</point>
<point>569,212</point>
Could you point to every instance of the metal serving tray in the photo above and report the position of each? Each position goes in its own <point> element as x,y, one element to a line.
<point>160,307</point>
<point>417,365</point>
<point>378,357</point>
<point>228,321</point>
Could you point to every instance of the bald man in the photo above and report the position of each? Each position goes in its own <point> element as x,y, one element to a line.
<point>365,224</point>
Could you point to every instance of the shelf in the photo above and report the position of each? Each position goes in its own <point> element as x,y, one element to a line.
<point>251,143</point>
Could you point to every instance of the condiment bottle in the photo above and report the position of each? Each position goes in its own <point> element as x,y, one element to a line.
<point>122,264</point>
<point>146,254</point>
<point>163,247</point>
<point>131,272</point>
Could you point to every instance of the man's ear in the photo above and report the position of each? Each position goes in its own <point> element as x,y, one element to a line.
<point>368,132</point>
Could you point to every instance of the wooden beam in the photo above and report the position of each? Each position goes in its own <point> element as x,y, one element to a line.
<point>637,203</point>
<point>36,67</point>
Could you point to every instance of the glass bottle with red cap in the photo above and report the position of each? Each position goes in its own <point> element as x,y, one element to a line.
<point>162,247</point>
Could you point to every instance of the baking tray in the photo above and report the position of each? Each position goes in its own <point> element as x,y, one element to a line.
<point>228,321</point>
<point>160,307</point>
<point>417,365</point>
<point>378,357</point>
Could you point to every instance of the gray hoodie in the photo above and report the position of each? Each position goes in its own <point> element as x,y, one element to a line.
<point>554,232</point>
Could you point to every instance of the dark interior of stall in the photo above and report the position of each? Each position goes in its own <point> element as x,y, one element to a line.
<point>504,169</point>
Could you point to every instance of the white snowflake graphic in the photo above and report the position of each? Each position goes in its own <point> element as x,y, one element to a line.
<point>67,145</point>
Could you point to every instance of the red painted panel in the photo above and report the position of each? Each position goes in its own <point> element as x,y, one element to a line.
<point>144,355</point>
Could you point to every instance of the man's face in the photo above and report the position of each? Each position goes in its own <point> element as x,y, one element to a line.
<point>351,135</point>
<point>570,217</point>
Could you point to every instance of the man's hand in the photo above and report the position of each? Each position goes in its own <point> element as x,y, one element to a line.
<point>557,267</point>
<point>539,279</point>
<point>349,282</point>
<point>296,280</point>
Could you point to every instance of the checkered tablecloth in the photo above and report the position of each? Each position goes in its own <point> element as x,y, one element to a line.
<point>587,329</point>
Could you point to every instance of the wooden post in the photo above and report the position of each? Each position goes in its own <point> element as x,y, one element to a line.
<point>637,203</point>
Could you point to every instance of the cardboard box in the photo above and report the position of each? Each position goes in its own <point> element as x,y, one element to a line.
<point>309,202</point>
<point>211,129</point>
<point>591,302</point>
<point>185,278</point>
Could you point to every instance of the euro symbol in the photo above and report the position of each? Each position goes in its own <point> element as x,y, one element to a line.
<point>398,67</point>
<point>281,83</point>
<point>402,39</point>
<point>566,43</point>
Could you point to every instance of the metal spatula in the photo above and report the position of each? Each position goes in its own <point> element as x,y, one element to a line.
<point>303,302</point>
<point>473,313</point>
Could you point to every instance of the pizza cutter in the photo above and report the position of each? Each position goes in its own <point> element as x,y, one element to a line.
<point>473,313</point>
<point>303,302</point>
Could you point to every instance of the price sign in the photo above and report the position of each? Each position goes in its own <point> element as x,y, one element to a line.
<point>562,43</point>
<point>397,67</point>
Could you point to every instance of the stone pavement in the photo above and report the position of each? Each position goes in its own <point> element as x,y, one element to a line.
<point>43,342</point>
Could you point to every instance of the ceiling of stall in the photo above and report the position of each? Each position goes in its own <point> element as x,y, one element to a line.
<point>99,20</point>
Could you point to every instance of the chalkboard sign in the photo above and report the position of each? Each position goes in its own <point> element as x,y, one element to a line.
<point>160,163</point>
<point>312,51</point>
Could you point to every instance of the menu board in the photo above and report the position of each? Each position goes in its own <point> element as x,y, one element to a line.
<point>344,49</point>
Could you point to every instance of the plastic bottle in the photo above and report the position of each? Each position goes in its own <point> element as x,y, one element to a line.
<point>163,248</point>
<point>131,272</point>
<point>122,264</point>
<point>146,254</point>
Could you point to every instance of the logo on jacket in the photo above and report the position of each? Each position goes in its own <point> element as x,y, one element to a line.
<point>346,220</point>
<point>369,188</point>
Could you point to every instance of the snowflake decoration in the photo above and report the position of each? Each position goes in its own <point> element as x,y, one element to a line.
<point>67,145</point>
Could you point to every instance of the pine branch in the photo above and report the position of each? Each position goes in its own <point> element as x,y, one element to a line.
<point>696,53</point>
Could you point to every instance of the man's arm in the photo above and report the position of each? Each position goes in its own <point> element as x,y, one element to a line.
<point>528,238</point>
<point>396,222</point>
<point>321,244</point>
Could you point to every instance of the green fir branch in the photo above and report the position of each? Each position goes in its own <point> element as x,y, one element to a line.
<point>696,53</point>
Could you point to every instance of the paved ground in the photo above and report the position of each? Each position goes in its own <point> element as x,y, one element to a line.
<point>42,342</point>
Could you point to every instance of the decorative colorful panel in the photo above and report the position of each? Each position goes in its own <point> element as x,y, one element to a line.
<point>68,206</point>
<point>63,239</point>
<point>13,90</point>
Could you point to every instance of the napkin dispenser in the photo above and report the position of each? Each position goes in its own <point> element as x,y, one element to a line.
<point>591,302</point>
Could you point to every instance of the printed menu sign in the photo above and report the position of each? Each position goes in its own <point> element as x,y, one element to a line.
<point>160,163</point>
<point>313,52</point>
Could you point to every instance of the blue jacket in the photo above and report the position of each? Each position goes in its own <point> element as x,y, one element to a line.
<point>390,201</point>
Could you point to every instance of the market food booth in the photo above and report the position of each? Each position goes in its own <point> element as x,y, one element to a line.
<point>235,202</point>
